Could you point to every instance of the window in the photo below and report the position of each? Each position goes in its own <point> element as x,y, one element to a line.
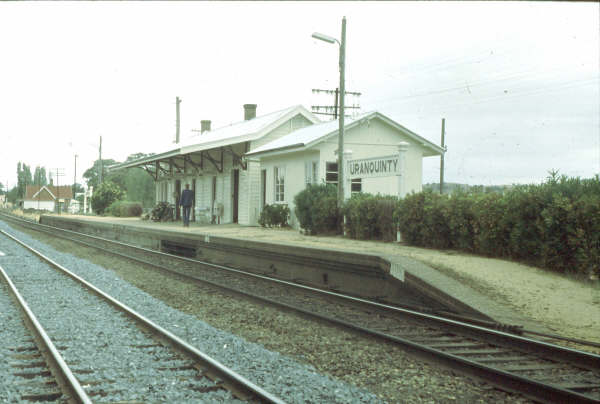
<point>311,172</point>
<point>279,184</point>
<point>356,185</point>
<point>331,173</point>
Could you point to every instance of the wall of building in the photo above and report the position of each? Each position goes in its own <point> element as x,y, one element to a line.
<point>41,205</point>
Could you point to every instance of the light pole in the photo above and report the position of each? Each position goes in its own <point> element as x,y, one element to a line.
<point>340,156</point>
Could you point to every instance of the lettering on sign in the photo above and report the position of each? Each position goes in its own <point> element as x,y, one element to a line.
<point>374,167</point>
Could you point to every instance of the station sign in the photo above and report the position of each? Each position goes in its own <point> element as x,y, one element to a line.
<point>385,166</point>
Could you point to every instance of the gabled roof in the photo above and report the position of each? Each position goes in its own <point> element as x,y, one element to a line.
<point>239,132</point>
<point>47,192</point>
<point>307,137</point>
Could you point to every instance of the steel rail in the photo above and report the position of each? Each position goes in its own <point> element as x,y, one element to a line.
<point>66,380</point>
<point>231,377</point>
<point>506,380</point>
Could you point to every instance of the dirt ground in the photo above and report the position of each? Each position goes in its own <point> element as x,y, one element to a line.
<point>564,305</point>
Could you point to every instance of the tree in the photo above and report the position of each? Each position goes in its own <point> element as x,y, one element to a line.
<point>39,176</point>
<point>12,195</point>
<point>91,174</point>
<point>104,195</point>
<point>138,185</point>
<point>2,191</point>
<point>23,179</point>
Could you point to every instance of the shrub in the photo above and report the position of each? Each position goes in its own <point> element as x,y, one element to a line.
<point>370,217</point>
<point>316,208</point>
<point>125,209</point>
<point>274,215</point>
<point>161,212</point>
<point>104,195</point>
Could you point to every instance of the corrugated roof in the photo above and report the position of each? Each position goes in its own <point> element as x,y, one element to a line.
<point>227,135</point>
<point>307,136</point>
<point>235,133</point>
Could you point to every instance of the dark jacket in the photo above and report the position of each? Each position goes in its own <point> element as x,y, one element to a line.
<point>187,198</point>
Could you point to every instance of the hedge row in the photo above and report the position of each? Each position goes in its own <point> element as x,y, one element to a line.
<point>555,225</point>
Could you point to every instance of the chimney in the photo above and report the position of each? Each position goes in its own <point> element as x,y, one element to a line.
<point>204,126</point>
<point>249,111</point>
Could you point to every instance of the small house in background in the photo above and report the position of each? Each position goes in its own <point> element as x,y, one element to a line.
<point>47,197</point>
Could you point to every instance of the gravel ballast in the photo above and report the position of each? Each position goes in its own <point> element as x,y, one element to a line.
<point>288,379</point>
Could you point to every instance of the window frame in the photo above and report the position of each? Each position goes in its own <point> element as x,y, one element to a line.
<point>279,184</point>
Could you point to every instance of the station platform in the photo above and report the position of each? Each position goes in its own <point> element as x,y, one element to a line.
<point>439,283</point>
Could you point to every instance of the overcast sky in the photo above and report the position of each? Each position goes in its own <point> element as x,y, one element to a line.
<point>518,83</point>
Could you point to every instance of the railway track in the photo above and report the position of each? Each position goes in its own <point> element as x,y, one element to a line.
<point>138,361</point>
<point>539,370</point>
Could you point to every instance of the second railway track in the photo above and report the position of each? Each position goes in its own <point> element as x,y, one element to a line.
<point>537,369</point>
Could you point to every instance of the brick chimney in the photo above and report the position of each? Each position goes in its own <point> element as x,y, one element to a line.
<point>204,126</point>
<point>249,111</point>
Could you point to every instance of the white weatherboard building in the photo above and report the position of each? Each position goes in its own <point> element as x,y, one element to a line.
<point>237,169</point>
<point>381,156</point>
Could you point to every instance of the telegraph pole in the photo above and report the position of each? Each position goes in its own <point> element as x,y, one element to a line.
<point>59,173</point>
<point>100,159</point>
<point>442,156</point>
<point>177,102</point>
<point>341,119</point>
<point>75,175</point>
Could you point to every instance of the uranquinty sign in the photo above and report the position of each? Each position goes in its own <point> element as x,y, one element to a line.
<point>374,167</point>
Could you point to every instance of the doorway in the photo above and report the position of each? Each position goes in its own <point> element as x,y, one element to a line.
<point>236,189</point>
<point>194,201</point>
<point>177,196</point>
<point>263,189</point>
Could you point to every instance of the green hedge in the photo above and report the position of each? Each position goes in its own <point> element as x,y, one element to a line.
<point>370,217</point>
<point>316,209</point>
<point>274,216</point>
<point>125,209</point>
<point>554,225</point>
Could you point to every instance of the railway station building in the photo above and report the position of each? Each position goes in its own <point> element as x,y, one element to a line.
<point>236,170</point>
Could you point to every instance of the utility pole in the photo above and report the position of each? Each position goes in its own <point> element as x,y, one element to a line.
<point>100,160</point>
<point>59,173</point>
<point>442,156</point>
<point>75,175</point>
<point>341,119</point>
<point>177,102</point>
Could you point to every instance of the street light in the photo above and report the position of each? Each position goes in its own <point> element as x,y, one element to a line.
<point>340,158</point>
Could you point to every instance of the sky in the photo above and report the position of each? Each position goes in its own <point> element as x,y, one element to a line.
<point>518,83</point>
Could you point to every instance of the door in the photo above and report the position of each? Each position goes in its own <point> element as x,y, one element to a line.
<point>236,189</point>
<point>194,201</point>
<point>177,196</point>
<point>263,189</point>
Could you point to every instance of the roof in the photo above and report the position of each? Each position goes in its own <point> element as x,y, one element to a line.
<point>47,192</point>
<point>309,136</point>
<point>239,132</point>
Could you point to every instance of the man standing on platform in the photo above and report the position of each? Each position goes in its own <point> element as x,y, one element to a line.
<point>186,201</point>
